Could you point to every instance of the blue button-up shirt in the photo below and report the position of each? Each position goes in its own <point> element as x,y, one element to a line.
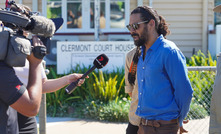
<point>164,88</point>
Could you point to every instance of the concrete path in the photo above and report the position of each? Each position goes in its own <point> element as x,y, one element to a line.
<point>57,125</point>
<point>78,126</point>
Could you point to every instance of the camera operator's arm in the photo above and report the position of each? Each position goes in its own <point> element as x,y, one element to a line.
<point>29,103</point>
<point>52,85</point>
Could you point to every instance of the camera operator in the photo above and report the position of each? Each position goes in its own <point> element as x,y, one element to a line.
<point>26,124</point>
<point>14,94</point>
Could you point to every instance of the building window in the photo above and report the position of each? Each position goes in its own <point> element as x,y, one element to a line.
<point>217,16</point>
<point>117,19</point>
<point>74,14</point>
<point>79,15</point>
<point>54,9</point>
<point>102,14</point>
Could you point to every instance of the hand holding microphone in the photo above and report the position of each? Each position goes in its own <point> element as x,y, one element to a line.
<point>75,77</point>
<point>99,62</point>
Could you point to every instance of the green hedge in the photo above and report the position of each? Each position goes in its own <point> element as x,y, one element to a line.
<point>202,83</point>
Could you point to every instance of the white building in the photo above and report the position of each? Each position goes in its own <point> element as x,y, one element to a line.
<point>190,21</point>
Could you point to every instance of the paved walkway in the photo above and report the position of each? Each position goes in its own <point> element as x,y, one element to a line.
<point>78,126</point>
<point>57,125</point>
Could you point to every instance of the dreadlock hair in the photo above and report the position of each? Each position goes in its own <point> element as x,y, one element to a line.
<point>133,66</point>
<point>147,13</point>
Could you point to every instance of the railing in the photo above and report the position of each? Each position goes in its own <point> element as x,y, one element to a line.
<point>202,80</point>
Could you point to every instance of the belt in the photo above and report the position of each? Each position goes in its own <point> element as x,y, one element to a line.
<point>157,123</point>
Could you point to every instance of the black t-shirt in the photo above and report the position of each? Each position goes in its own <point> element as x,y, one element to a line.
<point>27,125</point>
<point>11,89</point>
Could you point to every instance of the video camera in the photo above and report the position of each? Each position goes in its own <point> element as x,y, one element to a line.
<point>17,20</point>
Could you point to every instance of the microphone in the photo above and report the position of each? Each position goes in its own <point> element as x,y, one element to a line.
<point>47,40</point>
<point>99,63</point>
<point>41,26</point>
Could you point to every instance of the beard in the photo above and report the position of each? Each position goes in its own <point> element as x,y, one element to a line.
<point>140,42</point>
<point>142,39</point>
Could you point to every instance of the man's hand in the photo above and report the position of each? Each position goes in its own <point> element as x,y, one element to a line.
<point>182,130</point>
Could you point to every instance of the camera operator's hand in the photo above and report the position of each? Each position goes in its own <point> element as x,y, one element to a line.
<point>32,58</point>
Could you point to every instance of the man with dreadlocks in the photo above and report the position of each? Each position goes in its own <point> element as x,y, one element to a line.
<point>164,89</point>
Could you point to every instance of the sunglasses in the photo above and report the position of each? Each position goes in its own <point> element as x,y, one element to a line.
<point>135,26</point>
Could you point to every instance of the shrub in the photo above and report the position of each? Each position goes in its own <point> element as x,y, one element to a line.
<point>106,91</point>
<point>56,100</point>
<point>100,86</point>
<point>201,60</point>
<point>112,111</point>
<point>202,81</point>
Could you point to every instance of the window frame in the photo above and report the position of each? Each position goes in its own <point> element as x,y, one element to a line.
<point>86,16</point>
<point>216,22</point>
